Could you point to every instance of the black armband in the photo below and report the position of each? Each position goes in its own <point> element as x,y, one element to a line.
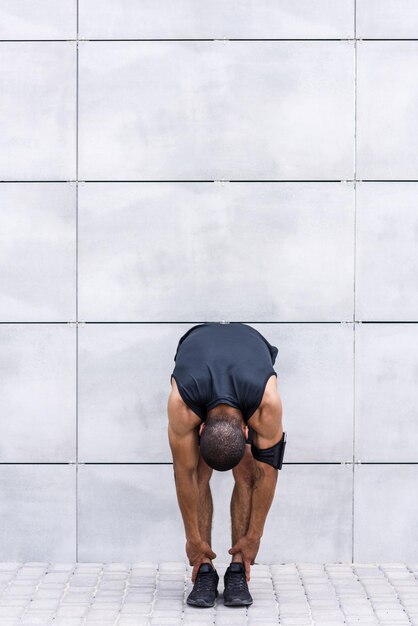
<point>272,456</point>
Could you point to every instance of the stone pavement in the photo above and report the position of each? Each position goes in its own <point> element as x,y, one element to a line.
<point>153,594</point>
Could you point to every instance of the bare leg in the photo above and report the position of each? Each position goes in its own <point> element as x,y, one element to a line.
<point>204,473</point>
<point>244,475</point>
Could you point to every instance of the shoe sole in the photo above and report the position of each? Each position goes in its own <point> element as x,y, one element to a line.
<point>237,603</point>
<point>201,606</point>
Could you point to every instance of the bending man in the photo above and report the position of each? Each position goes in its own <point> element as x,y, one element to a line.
<point>224,412</point>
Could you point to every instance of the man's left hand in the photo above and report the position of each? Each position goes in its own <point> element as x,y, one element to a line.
<point>248,546</point>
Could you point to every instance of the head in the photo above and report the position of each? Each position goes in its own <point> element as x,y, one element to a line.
<point>222,441</point>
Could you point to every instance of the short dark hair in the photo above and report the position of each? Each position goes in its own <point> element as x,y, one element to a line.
<point>222,443</point>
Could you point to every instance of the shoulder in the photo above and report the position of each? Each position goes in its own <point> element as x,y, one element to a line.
<point>180,417</point>
<point>267,422</point>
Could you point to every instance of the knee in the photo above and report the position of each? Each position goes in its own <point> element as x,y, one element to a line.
<point>203,480</point>
<point>204,473</point>
<point>245,472</point>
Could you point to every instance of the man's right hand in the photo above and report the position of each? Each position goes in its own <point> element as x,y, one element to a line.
<point>197,551</point>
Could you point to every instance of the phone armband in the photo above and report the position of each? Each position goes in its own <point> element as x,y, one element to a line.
<point>272,456</point>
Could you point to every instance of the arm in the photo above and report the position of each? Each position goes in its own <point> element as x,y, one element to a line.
<point>182,438</point>
<point>262,497</point>
<point>185,456</point>
<point>267,432</point>
<point>263,493</point>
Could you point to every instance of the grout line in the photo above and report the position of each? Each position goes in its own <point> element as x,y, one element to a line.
<point>330,581</point>
<point>387,322</point>
<point>221,39</point>
<point>354,447</point>
<point>275,596</point>
<point>66,40</point>
<point>231,322</point>
<point>236,180</point>
<point>271,322</point>
<point>18,182</point>
<point>387,39</point>
<point>355,19</point>
<point>394,588</point>
<point>174,39</point>
<point>354,289</point>
<point>84,323</point>
<point>359,580</point>
<point>76,285</point>
<point>171,463</point>
<point>37,462</point>
<point>302,582</point>
<point>223,180</point>
<point>76,448</point>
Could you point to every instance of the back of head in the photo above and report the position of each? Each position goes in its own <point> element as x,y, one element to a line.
<point>222,443</point>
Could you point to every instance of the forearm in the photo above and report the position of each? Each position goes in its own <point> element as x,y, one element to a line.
<point>262,497</point>
<point>188,497</point>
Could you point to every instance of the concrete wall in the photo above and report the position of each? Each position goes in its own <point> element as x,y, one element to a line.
<point>170,162</point>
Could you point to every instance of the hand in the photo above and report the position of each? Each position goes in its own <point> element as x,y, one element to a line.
<point>248,547</point>
<point>197,551</point>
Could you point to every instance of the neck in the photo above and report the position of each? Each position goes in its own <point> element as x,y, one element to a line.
<point>225,410</point>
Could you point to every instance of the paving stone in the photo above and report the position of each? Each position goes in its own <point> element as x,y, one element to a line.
<point>11,611</point>
<point>72,611</point>
<point>39,620</point>
<point>68,621</point>
<point>153,594</point>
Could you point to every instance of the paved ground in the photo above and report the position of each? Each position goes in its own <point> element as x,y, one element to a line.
<point>151,594</point>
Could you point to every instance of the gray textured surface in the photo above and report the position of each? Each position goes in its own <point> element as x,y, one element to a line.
<point>43,19</point>
<point>132,509</point>
<point>38,511</point>
<point>387,19</point>
<point>124,373</point>
<point>153,594</point>
<point>386,402</point>
<point>386,246</point>
<point>38,393</point>
<point>204,110</point>
<point>174,252</point>
<point>84,457</point>
<point>38,111</point>
<point>387,88</point>
<point>385,511</point>
<point>106,19</point>
<point>37,252</point>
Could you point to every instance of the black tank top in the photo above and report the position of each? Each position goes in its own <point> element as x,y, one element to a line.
<point>228,363</point>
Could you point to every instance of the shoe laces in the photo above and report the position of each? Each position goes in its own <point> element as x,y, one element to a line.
<point>205,581</point>
<point>236,581</point>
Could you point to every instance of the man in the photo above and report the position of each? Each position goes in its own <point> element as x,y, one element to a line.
<point>224,412</point>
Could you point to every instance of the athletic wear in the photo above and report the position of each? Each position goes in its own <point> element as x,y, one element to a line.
<point>228,363</point>
<point>272,456</point>
<point>204,590</point>
<point>236,591</point>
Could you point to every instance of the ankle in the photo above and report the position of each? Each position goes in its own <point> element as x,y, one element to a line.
<point>237,558</point>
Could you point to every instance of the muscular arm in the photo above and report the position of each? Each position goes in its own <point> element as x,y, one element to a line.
<point>267,432</point>
<point>185,455</point>
<point>262,497</point>
<point>183,442</point>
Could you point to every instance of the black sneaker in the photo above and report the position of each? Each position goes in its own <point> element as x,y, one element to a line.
<point>205,589</point>
<point>236,589</point>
